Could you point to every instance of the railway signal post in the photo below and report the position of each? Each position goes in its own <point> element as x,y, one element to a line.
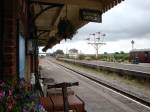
<point>96,42</point>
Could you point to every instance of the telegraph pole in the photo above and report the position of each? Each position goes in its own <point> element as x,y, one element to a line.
<point>96,42</point>
<point>132,42</point>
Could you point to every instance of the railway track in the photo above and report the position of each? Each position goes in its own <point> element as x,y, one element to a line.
<point>129,70</point>
<point>113,88</point>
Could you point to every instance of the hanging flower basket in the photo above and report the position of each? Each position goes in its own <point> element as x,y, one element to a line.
<point>66,30</point>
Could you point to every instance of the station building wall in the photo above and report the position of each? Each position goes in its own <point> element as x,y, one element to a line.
<point>14,20</point>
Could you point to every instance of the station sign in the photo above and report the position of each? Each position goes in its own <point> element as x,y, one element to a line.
<point>90,15</point>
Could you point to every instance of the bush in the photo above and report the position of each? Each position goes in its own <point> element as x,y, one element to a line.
<point>81,57</point>
<point>87,58</point>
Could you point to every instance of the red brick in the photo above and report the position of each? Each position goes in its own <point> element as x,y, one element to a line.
<point>8,56</point>
<point>8,5</point>
<point>10,53</point>
<point>10,70</point>
<point>12,78</point>
<point>10,63</point>
<point>10,26</point>
<point>9,20</point>
<point>8,15</point>
<point>10,41</point>
<point>8,35</point>
<point>1,69</point>
<point>10,60</point>
<point>10,49</point>
<point>11,29</point>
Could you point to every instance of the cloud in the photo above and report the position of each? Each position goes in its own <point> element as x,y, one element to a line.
<point>130,19</point>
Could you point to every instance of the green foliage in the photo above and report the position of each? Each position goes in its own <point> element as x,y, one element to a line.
<point>16,109</point>
<point>87,58</point>
<point>121,52</point>
<point>81,57</point>
<point>66,55</point>
<point>105,53</point>
<point>116,52</point>
<point>2,108</point>
<point>103,57</point>
<point>119,57</point>
<point>112,57</point>
<point>60,52</point>
<point>93,57</point>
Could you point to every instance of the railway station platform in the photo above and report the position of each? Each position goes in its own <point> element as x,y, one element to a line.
<point>139,70</point>
<point>96,99</point>
<point>53,99</point>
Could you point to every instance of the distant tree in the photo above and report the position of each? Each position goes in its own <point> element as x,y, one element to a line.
<point>81,57</point>
<point>105,53</point>
<point>59,52</point>
<point>73,51</point>
<point>116,52</point>
<point>121,52</point>
<point>93,57</point>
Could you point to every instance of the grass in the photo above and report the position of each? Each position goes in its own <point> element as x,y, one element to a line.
<point>126,79</point>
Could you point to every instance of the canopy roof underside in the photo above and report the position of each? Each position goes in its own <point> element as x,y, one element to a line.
<point>47,14</point>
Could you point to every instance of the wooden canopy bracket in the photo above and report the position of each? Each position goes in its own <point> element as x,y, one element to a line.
<point>42,32</point>
<point>45,9</point>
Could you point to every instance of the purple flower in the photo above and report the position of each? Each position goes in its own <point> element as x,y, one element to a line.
<point>2,83</point>
<point>1,93</point>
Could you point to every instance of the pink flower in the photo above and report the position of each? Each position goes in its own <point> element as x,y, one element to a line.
<point>10,93</point>
<point>1,93</point>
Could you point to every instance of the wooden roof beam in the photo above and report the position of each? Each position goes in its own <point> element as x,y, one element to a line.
<point>83,3</point>
<point>43,28</point>
<point>58,16</point>
<point>43,10</point>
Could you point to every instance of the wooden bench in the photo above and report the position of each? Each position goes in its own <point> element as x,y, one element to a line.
<point>56,98</point>
<point>58,91</point>
<point>55,103</point>
<point>75,103</point>
<point>47,103</point>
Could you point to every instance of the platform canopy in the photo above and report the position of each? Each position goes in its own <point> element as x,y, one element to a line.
<point>59,19</point>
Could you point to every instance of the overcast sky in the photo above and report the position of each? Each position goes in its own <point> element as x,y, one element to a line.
<point>127,21</point>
